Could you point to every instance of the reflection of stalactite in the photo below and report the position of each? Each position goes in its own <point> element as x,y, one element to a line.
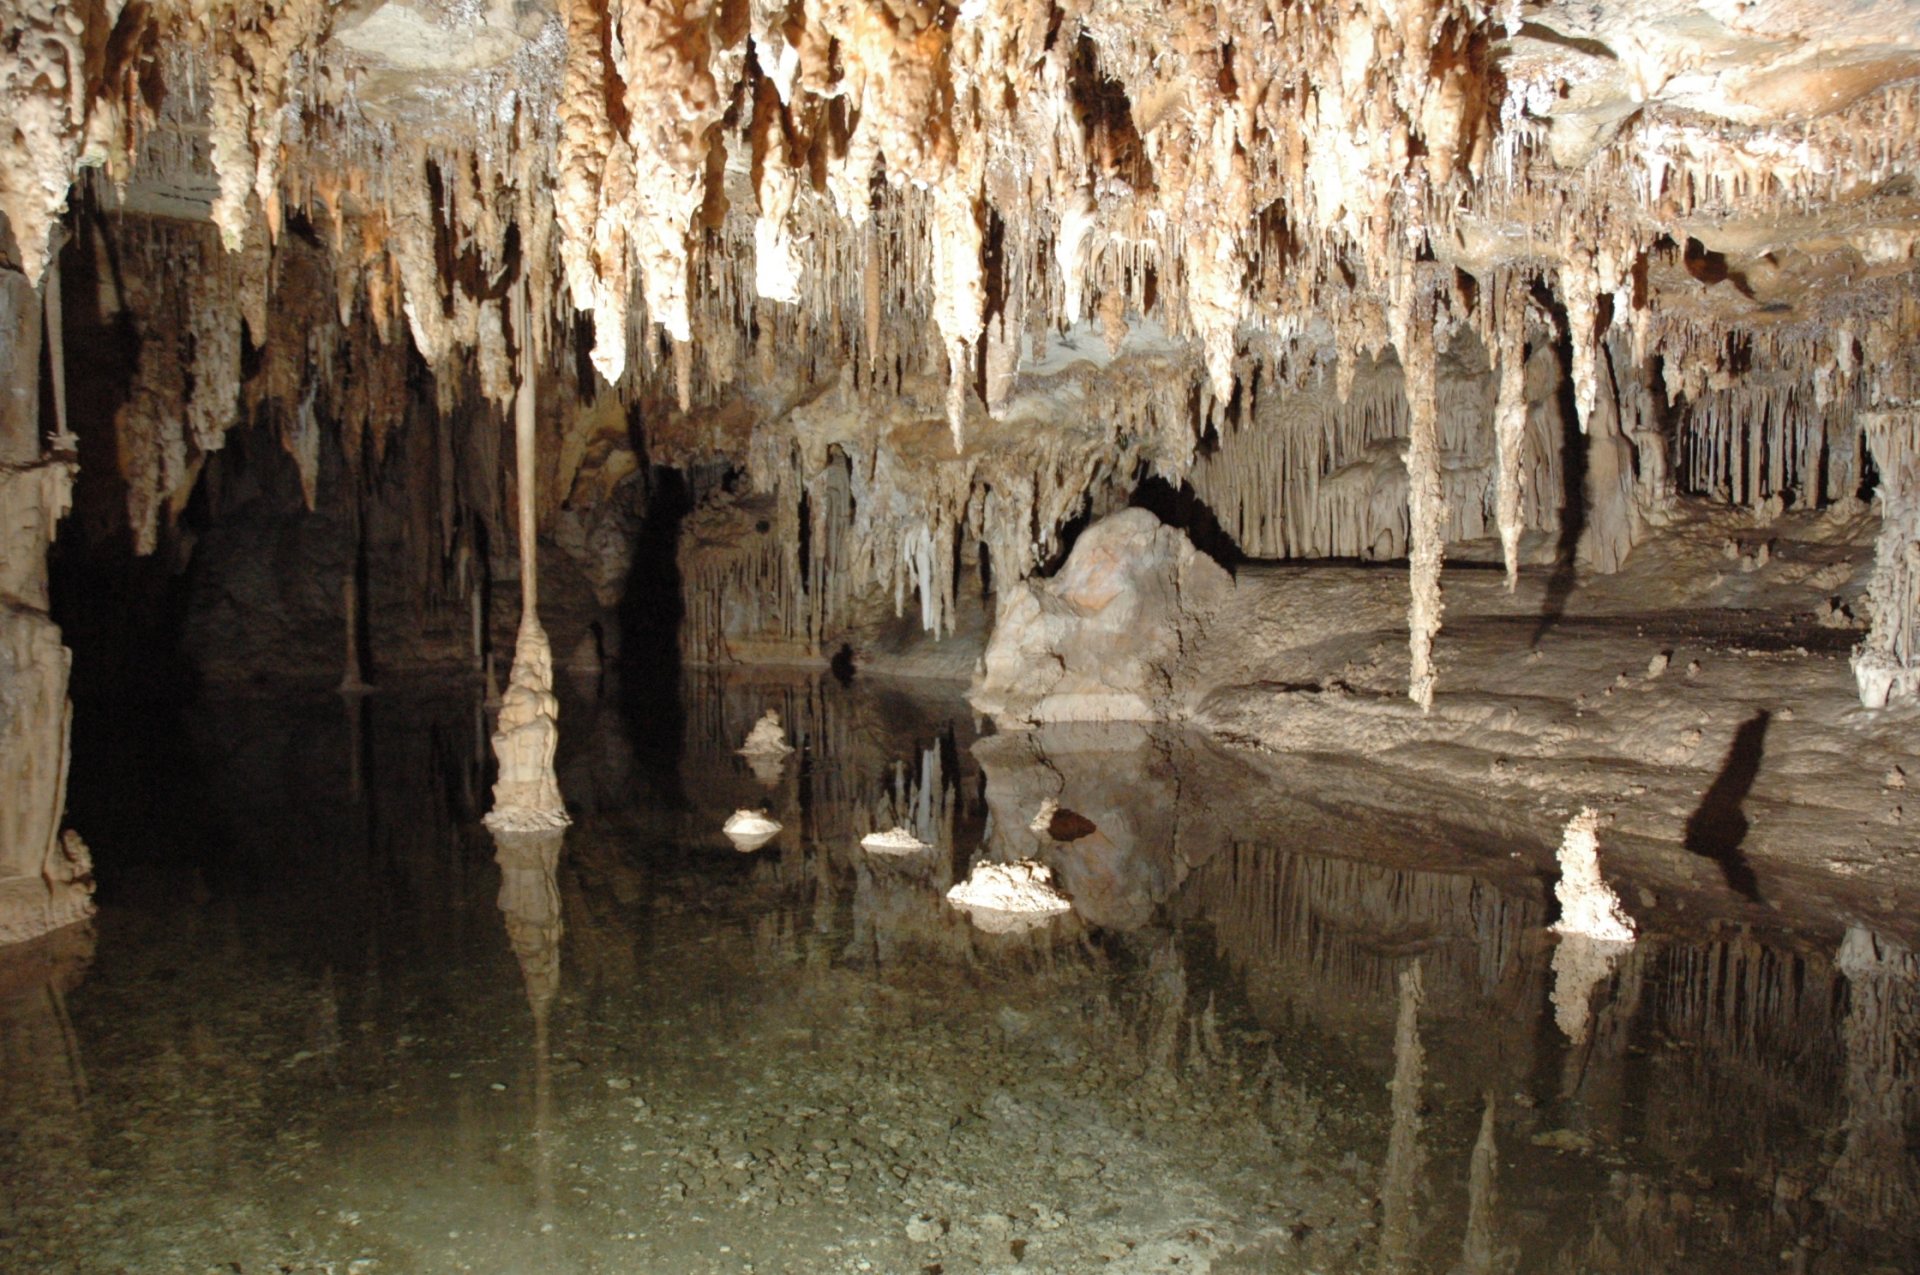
<point>1876,1181</point>
<point>1324,932</point>
<point>1399,1228</point>
<point>1480,1252</point>
<point>1765,1015</point>
<point>1166,1009</point>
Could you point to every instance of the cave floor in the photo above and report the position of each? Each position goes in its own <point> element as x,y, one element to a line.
<point>322,1024</point>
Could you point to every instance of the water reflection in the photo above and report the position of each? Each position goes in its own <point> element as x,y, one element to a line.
<point>530,906</point>
<point>1270,1031</point>
<point>45,1122</point>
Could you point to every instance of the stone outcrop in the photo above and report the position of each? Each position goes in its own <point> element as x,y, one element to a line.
<point>46,877</point>
<point>1099,641</point>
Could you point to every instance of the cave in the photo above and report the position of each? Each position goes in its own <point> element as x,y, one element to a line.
<point>959,635</point>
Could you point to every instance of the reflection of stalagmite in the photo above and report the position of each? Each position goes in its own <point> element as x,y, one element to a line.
<point>45,1120</point>
<point>527,795</point>
<point>1166,1009</point>
<point>1580,965</point>
<point>530,905</point>
<point>1876,1181</point>
<point>1480,1250</point>
<point>1401,1176</point>
<point>766,748</point>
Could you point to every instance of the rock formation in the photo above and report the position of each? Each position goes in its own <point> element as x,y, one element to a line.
<point>46,876</point>
<point>1098,641</point>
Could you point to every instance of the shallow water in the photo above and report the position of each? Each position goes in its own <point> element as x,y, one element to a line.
<point>325,1023</point>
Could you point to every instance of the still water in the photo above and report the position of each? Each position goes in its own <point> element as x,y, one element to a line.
<point>324,1022</point>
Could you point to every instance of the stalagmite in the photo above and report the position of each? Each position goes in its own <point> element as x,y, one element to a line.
<point>1009,897</point>
<point>1587,904</point>
<point>1594,931</point>
<point>750,829</point>
<point>894,841</point>
<point>1887,664</point>
<point>767,737</point>
<point>526,796</point>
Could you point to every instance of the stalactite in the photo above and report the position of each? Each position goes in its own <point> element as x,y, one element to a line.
<point>43,84</point>
<point>1510,422</point>
<point>1887,662</point>
<point>1426,509</point>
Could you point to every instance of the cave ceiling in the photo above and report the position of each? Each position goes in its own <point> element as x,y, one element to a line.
<point>1722,182</point>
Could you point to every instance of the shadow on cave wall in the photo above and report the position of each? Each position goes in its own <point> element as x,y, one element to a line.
<point>1718,827</point>
<point>650,615</point>
<point>120,614</point>
<point>1573,499</point>
<point>1182,507</point>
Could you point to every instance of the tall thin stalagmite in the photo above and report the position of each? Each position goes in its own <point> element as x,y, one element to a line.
<point>526,796</point>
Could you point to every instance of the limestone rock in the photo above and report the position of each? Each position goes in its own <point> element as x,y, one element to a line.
<point>1098,641</point>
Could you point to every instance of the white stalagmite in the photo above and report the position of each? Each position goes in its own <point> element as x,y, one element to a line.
<point>1009,897</point>
<point>1887,664</point>
<point>1587,904</point>
<point>1594,931</point>
<point>750,829</point>
<point>893,841</point>
<point>526,795</point>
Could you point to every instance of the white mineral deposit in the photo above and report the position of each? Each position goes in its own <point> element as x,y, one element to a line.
<point>750,829</point>
<point>893,841</point>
